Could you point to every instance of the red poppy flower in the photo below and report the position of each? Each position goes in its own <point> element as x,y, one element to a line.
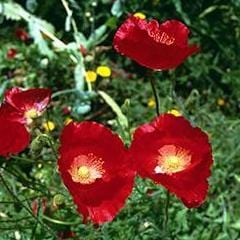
<point>24,105</point>
<point>11,53</point>
<point>154,46</point>
<point>14,137</point>
<point>22,34</point>
<point>176,155</point>
<point>96,169</point>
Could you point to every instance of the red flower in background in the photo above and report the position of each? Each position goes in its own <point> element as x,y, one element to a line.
<point>28,104</point>
<point>14,137</point>
<point>21,34</point>
<point>11,53</point>
<point>39,204</point>
<point>96,169</point>
<point>154,46</point>
<point>176,155</point>
<point>19,108</point>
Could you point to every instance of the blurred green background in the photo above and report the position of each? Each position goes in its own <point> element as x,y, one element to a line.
<point>64,40</point>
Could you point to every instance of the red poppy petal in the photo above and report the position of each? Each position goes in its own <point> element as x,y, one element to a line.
<point>189,184</point>
<point>35,98</point>
<point>153,46</point>
<point>177,29</point>
<point>109,207</point>
<point>102,198</point>
<point>94,137</point>
<point>14,137</point>
<point>12,114</point>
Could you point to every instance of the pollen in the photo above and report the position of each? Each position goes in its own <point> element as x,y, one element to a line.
<point>172,159</point>
<point>86,169</point>
<point>84,172</point>
<point>31,113</point>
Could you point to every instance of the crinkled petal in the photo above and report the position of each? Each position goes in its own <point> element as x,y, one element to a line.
<point>154,46</point>
<point>190,184</point>
<point>102,199</point>
<point>23,100</point>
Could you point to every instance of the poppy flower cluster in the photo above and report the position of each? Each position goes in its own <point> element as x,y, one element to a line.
<point>17,112</point>
<point>99,171</point>
<point>94,164</point>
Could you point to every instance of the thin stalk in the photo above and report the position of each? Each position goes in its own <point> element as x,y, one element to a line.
<point>15,197</point>
<point>156,98</point>
<point>166,210</point>
<point>60,222</point>
<point>55,153</point>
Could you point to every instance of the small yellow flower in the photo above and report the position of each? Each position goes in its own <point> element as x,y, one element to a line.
<point>49,126</point>
<point>91,76</point>
<point>151,103</point>
<point>175,112</point>
<point>140,15</point>
<point>221,102</point>
<point>67,121</point>
<point>104,71</point>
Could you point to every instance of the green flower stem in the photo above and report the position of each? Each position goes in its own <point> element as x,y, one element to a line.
<point>56,221</point>
<point>56,94</point>
<point>154,89</point>
<point>156,97</point>
<point>166,209</point>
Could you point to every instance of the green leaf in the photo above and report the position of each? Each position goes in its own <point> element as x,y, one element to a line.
<point>97,36</point>
<point>68,22</point>
<point>13,11</point>
<point>2,88</point>
<point>178,6</point>
<point>79,77</point>
<point>80,38</point>
<point>114,106</point>
<point>117,8</point>
<point>31,5</point>
<point>236,225</point>
<point>35,32</point>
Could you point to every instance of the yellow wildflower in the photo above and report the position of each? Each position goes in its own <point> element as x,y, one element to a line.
<point>67,121</point>
<point>104,71</point>
<point>140,15</point>
<point>91,76</point>
<point>175,112</point>
<point>49,126</point>
<point>151,103</point>
<point>221,102</point>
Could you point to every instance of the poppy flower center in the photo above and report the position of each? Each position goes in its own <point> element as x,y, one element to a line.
<point>31,113</point>
<point>86,169</point>
<point>172,159</point>
<point>83,172</point>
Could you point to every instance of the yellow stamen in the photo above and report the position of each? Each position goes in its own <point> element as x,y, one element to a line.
<point>172,159</point>
<point>31,113</point>
<point>83,172</point>
<point>86,169</point>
